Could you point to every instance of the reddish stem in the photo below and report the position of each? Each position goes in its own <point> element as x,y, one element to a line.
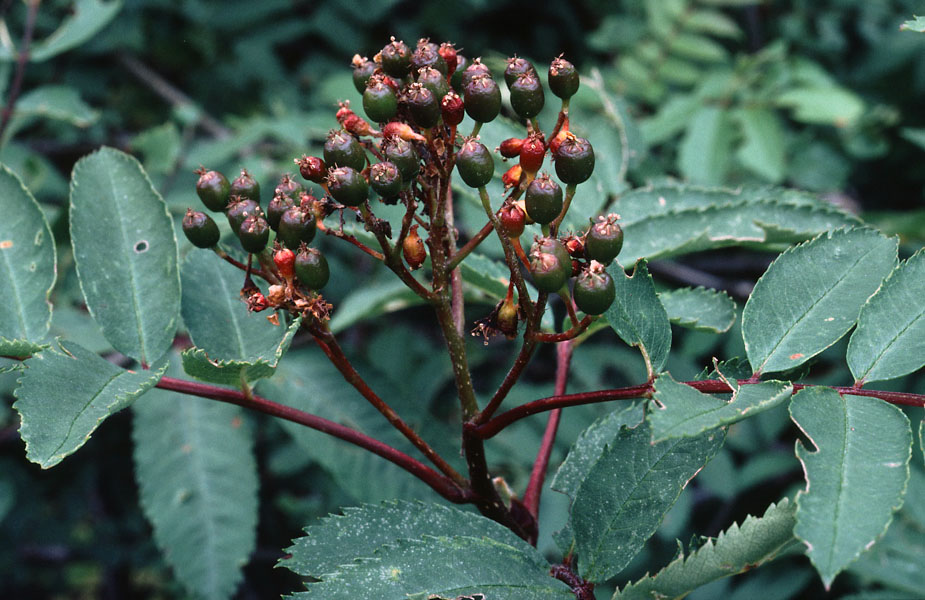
<point>469,246</point>
<point>349,238</point>
<point>21,60</point>
<point>441,484</point>
<point>258,272</point>
<point>565,335</point>
<point>538,475</point>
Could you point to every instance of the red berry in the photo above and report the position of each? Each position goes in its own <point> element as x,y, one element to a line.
<point>513,220</point>
<point>448,53</point>
<point>312,168</point>
<point>511,177</point>
<point>413,249</point>
<point>510,147</point>
<point>532,152</point>
<point>285,262</point>
<point>452,108</point>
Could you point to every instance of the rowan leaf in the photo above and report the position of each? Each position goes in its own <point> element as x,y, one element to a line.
<point>637,315</point>
<point>700,309</point>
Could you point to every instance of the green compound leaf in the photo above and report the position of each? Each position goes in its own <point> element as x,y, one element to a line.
<point>889,341</point>
<point>20,348</point>
<point>704,153</point>
<point>738,549</point>
<point>340,539</point>
<point>668,220</point>
<point>230,341</point>
<point>637,315</point>
<point>447,567</point>
<point>87,18</point>
<point>856,477</point>
<point>700,309</point>
<point>811,295</point>
<point>58,102</point>
<point>627,492</point>
<point>27,262</point>
<point>681,411</point>
<point>197,362</point>
<point>764,149</point>
<point>197,477</point>
<point>65,393</point>
<point>126,254</point>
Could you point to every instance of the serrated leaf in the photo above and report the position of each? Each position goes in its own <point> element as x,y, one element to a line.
<point>713,22</point>
<point>627,492</point>
<point>198,363</point>
<point>59,102</point>
<point>916,24</point>
<point>811,295</point>
<point>671,118</point>
<point>671,220</point>
<point>682,411</point>
<point>589,446</point>
<point>492,277</point>
<point>704,153</point>
<point>738,549</point>
<point>125,250</point>
<point>832,105</point>
<point>855,478</point>
<point>340,539</point>
<point>197,479</point>
<point>87,18</point>
<point>889,341</point>
<point>637,315</point>
<point>697,47</point>
<point>19,348</point>
<point>27,262</point>
<point>763,150</point>
<point>700,309</point>
<point>446,567</point>
<point>65,393</point>
<point>223,330</point>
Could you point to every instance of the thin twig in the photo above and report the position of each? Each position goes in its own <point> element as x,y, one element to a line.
<point>21,60</point>
<point>269,277</point>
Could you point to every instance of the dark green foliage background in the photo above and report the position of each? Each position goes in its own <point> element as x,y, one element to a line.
<point>270,73</point>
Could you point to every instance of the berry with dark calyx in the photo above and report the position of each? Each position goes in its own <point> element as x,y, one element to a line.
<point>543,199</point>
<point>435,81</point>
<point>403,155</point>
<point>447,52</point>
<point>380,102</point>
<point>343,150</point>
<point>527,97</point>
<point>422,106</point>
<point>395,58</point>
<point>288,187</point>
<point>475,163</point>
<point>295,227</point>
<point>284,258</point>
<point>427,54</point>
<point>516,67</point>
<point>549,271</point>
<point>469,73</point>
<point>311,268</point>
<point>511,177</point>
<point>604,239</point>
<point>213,189</point>
<point>594,290</point>
<point>510,147</point>
<point>347,186</point>
<point>452,109</point>
<point>563,78</point>
<point>513,220</point>
<point>574,160</point>
<point>386,181</point>
<point>363,69</point>
<point>238,210</point>
<point>532,152</point>
<point>200,229</point>
<point>483,99</point>
<point>275,209</point>
<point>456,79</point>
<point>312,168</point>
<point>246,186</point>
<point>254,232</point>
<point>413,249</point>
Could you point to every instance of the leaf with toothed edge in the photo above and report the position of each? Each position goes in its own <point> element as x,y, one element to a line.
<point>637,316</point>
<point>125,250</point>
<point>700,309</point>
<point>65,393</point>
<point>681,411</point>
<point>811,295</point>
<point>855,478</point>
<point>27,263</point>
<point>627,493</point>
<point>738,549</point>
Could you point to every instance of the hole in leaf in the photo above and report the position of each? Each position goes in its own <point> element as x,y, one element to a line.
<point>141,246</point>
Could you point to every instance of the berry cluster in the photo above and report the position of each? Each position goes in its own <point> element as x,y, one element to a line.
<point>414,99</point>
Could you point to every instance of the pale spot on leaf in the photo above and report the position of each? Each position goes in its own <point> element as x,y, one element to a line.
<point>796,356</point>
<point>6,244</point>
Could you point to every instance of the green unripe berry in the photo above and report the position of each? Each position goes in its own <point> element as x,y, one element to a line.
<point>343,150</point>
<point>594,290</point>
<point>423,106</point>
<point>543,199</point>
<point>435,81</point>
<point>379,101</point>
<point>516,67</point>
<point>275,209</point>
<point>200,229</point>
<point>238,210</point>
<point>563,78</point>
<point>483,99</point>
<point>246,186</point>
<point>403,155</point>
<point>555,247</point>
<point>347,186</point>
<point>363,69</point>
<point>469,73</point>
<point>213,189</point>
<point>604,240</point>
<point>427,54</point>
<point>574,160</point>
<point>456,79</point>
<point>475,163</point>
<point>296,227</point>
<point>254,232</point>
<point>550,269</point>
<point>527,97</point>
<point>385,179</point>
<point>311,268</point>
<point>395,59</point>
<point>288,187</point>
